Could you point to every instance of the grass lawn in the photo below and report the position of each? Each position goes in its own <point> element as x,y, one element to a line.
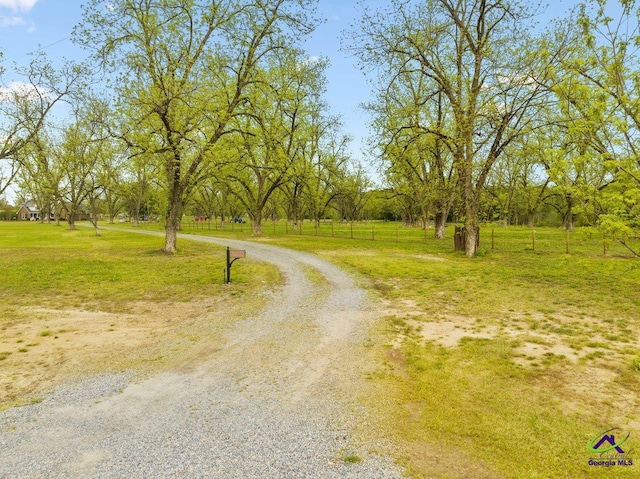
<point>72,303</point>
<point>504,365</point>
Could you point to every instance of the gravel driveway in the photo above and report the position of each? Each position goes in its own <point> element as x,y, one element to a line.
<point>278,400</point>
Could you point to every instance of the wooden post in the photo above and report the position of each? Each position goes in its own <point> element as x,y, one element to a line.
<point>351,229</point>
<point>567,242</point>
<point>397,237</point>
<point>373,236</point>
<point>492,238</point>
<point>332,228</point>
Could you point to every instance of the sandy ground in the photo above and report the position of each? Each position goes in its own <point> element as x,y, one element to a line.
<point>47,347</point>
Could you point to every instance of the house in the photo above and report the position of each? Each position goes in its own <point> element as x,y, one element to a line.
<point>28,211</point>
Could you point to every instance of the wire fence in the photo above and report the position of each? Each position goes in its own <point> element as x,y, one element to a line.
<point>584,240</point>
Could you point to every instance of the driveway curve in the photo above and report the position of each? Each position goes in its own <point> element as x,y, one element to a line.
<point>277,400</point>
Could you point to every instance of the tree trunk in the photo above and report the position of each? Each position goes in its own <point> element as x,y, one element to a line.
<point>471,200</point>
<point>72,221</point>
<point>173,218</point>
<point>440,223</point>
<point>531,219</point>
<point>567,221</point>
<point>472,239</point>
<point>442,213</point>
<point>256,223</point>
<point>94,222</point>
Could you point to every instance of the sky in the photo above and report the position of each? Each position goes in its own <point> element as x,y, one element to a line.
<point>29,25</point>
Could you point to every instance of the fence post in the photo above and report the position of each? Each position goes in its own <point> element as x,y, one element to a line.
<point>492,237</point>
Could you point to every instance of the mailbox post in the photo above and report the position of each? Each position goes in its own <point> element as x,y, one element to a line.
<point>232,255</point>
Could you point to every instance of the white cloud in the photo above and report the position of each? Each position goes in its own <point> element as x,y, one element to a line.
<point>17,90</point>
<point>24,5</point>
<point>11,21</point>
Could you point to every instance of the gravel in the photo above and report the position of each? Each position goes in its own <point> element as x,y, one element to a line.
<point>278,401</point>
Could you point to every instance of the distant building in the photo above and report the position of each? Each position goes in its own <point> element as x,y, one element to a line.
<point>28,211</point>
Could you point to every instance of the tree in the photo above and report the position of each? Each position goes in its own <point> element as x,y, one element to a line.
<point>601,93</point>
<point>410,122</point>
<point>481,57</point>
<point>352,194</point>
<point>520,182</point>
<point>84,146</point>
<point>183,69</point>
<point>41,174</point>
<point>112,182</point>
<point>274,132</point>
<point>25,105</point>
<point>328,161</point>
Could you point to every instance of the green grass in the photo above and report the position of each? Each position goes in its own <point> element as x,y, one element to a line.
<point>515,414</point>
<point>352,459</point>
<point>45,264</point>
<point>484,400</point>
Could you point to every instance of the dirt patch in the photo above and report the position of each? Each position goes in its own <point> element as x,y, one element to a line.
<point>448,333</point>
<point>426,257</point>
<point>43,347</point>
<point>591,389</point>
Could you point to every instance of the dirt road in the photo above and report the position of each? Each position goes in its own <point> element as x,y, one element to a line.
<point>278,398</point>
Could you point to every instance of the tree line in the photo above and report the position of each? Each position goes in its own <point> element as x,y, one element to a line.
<point>476,114</point>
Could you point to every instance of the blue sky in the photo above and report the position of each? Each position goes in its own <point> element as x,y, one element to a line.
<point>29,25</point>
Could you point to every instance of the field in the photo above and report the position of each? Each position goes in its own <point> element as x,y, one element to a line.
<point>505,365</point>
<point>509,363</point>
<point>72,303</point>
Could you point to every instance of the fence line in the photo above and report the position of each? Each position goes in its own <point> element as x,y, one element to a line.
<point>492,238</point>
